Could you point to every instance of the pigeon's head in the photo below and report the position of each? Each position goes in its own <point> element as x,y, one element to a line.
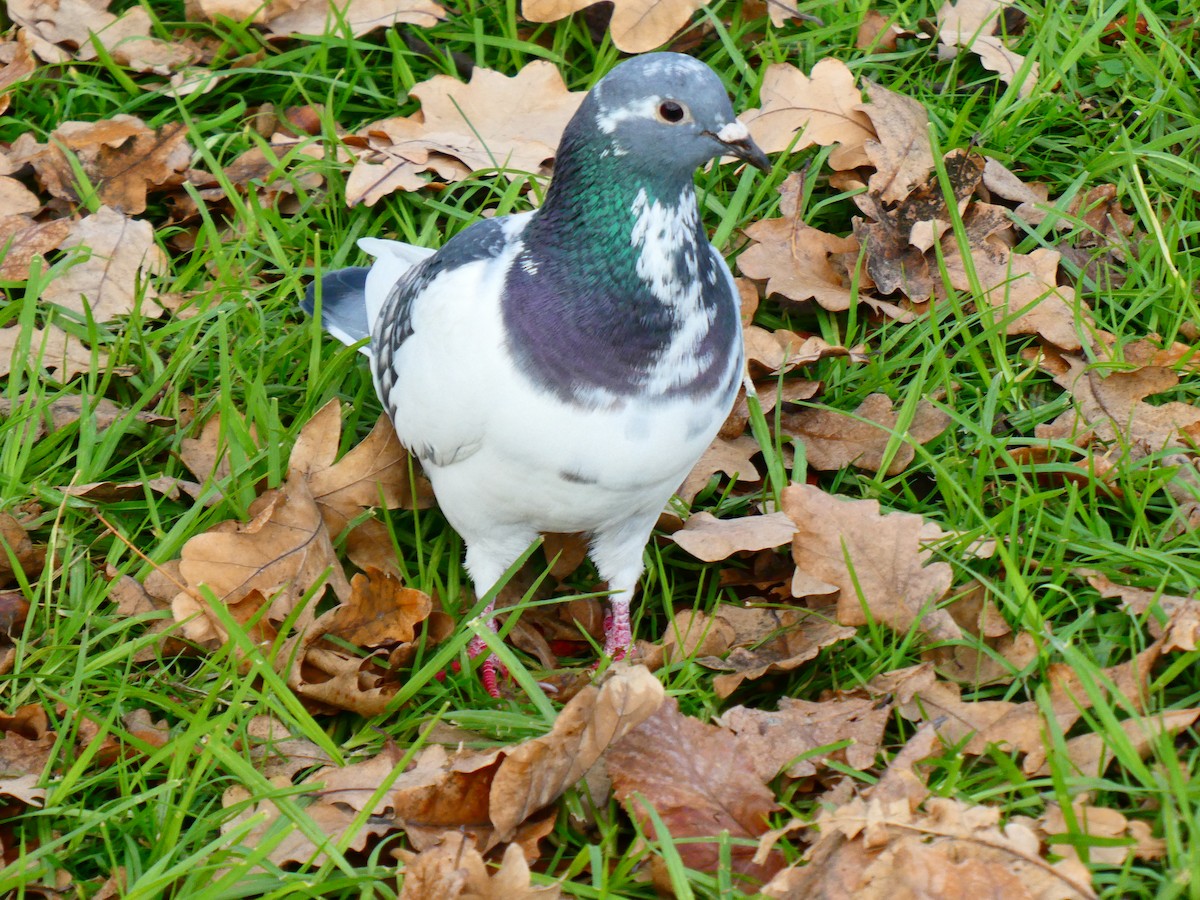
<point>665,111</point>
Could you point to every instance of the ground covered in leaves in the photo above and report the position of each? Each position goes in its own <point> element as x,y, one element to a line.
<point>922,622</point>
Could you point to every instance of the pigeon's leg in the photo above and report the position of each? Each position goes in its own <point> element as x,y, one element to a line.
<point>487,560</point>
<point>618,557</point>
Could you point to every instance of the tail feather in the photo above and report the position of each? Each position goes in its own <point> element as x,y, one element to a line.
<point>343,304</point>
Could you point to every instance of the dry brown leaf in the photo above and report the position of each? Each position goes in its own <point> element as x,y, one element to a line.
<point>111,278</point>
<point>834,440</point>
<point>17,201</point>
<point>51,348</point>
<point>122,158</point>
<point>733,458</point>
<point>59,30</point>
<point>475,125</point>
<point>1174,618</point>
<point>380,613</point>
<point>901,153</point>
<point>691,633</point>
<point>110,491</point>
<point>693,776</point>
<point>1087,821</point>
<point>896,237</point>
<point>274,750</point>
<point>331,818</point>
<point>773,741</point>
<point>972,25</point>
<point>852,545</point>
<point>823,109</point>
<point>877,32</point>
<point>26,742</point>
<point>360,16</point>
<point>207,456</point>
<point>16,64</point>
<point>454,870</point>
<point>375,472</point>
<point>768,641</point>
<point>636,26</point>
<point>277,556</point>
<point>1110,407</point>
<point>537,772</point>
<point>708,538</point>
<point>22,239</point>
<point>101,413</point>
<point>870,850</point>
<point>1023,288</point>
<point>1090,754</point>
<point>18,552</point>
<point>996,655</point>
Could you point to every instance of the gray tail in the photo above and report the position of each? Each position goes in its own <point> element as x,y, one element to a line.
<point>343,303</point>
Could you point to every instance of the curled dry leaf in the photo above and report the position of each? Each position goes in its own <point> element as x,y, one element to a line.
<point>54,31</point>
<point>1119,837</point>
<point>63,411</point>
<point>694,776</point>
<point>18,552</point>
<point>636,25</point>
<point>472,126</point>
<point>989,653</point>
<point>16,64</point>
<point>901,152</point>
<point>773,742</point>
<point>834,440</point>
<point>708,538</point>
<point>380,612</point>
<point>973,25</point>
<point>769,641</point>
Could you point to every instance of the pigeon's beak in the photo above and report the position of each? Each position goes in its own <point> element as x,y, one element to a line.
<point>735,138</point>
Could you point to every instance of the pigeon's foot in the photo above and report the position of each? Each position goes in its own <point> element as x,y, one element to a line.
<point>618,633</point>
<point>492,669</point>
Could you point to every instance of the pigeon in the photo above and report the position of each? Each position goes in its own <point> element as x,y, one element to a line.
<point>562,370</point>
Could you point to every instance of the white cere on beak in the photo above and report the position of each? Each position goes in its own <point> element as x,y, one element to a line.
<point>733,132</point>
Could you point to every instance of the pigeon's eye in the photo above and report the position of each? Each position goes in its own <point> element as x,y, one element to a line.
<point>670,111</point>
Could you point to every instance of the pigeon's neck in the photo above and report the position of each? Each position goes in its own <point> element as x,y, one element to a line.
<point>616,291</point>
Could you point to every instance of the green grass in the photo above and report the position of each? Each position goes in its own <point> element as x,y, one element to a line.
<point>1126,114</point>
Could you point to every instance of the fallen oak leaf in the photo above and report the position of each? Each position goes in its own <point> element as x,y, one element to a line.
<point>822,109</point>
<point>875,559</point>
<point>693,776</point>
<point>972,25</point>
<point>769,641</point>
<point>111,278</point>
<point>453,868</point>
<point>636,25</point>
<point>377,470</point>
<point>537,772</point>
<point>708,538</point>
<point>774,742</point>
<point>834,440</point>
<point>476,124</point>
<point>358,16</point>
<point>282,552</point>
